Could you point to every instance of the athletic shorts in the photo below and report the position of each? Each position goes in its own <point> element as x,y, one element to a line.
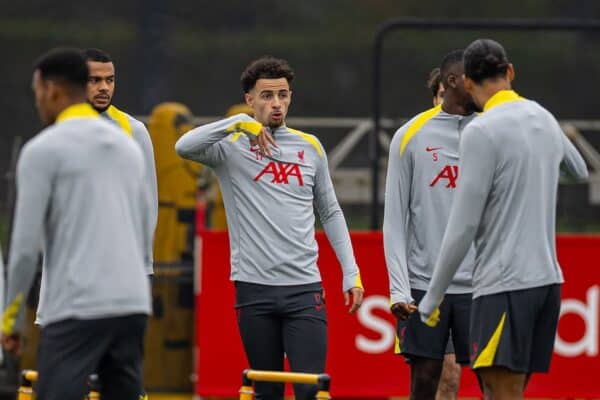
<point>515,329</point>
<point>419,340</point>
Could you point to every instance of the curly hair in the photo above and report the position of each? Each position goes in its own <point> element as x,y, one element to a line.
<point>266,67</point>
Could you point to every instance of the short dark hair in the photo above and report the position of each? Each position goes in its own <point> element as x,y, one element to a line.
<point>450,60</point>
<point>65,65</point>
<point>485,58</point>
<point>97,55</point>
<point>266,67</point>
<point>433,83</point>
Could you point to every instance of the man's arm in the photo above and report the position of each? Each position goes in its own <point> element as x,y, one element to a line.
<point>142,137</point>
<point>334,224</point>
<point>201,144</point>
<point>148,223</point>
<point>395,220</point>
<point>572,160</point>
<point>477,166</point>
<point>34,190</point>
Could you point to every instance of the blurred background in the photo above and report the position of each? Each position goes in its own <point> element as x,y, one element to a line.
<point>191,54</point>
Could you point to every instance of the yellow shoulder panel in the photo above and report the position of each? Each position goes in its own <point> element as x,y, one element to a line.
<point>120,118</point>
<point>309,138</point>
<point>418,124</point>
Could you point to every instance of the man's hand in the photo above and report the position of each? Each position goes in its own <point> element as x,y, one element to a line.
<point>402,310</point>
<point>357,298</point>
<point>12,343</point>
<point>264,140</point>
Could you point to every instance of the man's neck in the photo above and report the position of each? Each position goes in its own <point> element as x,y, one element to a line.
<point>451,105</point>
<point>493,87</point>
<point>65,102</point>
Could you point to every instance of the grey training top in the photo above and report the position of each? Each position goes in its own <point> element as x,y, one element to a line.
<point>140,134</point>
<point>506,200</point>
<point>81,198</point>
<point>421,183</point>
<point>269,201</point>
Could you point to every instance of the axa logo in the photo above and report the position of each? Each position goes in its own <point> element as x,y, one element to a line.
<point>449,173</point>
<point>281,172</point>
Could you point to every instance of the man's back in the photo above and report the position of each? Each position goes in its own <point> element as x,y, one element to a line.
<point>94,237</point>
<point>515,239</point>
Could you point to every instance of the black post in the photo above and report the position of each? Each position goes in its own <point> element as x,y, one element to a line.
<point>450,24</point>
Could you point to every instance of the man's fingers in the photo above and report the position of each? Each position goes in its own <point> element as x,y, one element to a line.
<point>411,308</point>
<point>346,298</point>
<point>357,299</point>
<point>271,140</point>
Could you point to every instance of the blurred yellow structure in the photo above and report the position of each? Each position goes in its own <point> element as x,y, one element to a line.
<point>169,339</point>
<point>176,181</point>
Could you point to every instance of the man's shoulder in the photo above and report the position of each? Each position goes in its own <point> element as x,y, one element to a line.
<point>411,130</point>
<point>308,138</point>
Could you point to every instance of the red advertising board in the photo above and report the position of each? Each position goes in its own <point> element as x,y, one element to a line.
<point>360,359</point>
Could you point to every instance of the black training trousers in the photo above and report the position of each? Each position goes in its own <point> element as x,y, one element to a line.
<point>283,320</point>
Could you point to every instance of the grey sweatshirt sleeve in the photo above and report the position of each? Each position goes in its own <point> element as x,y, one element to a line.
<point>202,144</point>
<point>572,160</point>
<point>35,171</point>
<point>395,220</point>
<point>149,216</point>
<point>477,167</point>
<point>142,137</point>
<point>334,224</point>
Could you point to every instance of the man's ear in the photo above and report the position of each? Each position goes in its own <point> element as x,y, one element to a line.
<point>452,81</point>
<point>249,99</point>
<point>52,90</point>
<point>510,72</point>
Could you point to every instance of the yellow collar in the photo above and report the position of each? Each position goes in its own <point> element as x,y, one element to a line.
<point>120,118</point>
<point>503,96</point>
<point>79,110</point>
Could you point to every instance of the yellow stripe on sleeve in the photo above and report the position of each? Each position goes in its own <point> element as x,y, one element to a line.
<point>252,127</point>
<point>358,282</point>
<point>434,318</point>
<point>9,318</point>
<point>418,124</point>
<point>487,355</point>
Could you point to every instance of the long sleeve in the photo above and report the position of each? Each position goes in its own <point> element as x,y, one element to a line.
<point>477,166</point>
<point>34,190</point>
<point>148,223</point>
<point>202,144</point>
<point>142,137</point>
<point>334,224</point>
<point>395,221</point>
<point>572,159</point>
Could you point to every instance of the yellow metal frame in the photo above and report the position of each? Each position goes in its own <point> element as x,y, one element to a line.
<point>29,377</point>
<point>25,391</point>
<point>249,376</point>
